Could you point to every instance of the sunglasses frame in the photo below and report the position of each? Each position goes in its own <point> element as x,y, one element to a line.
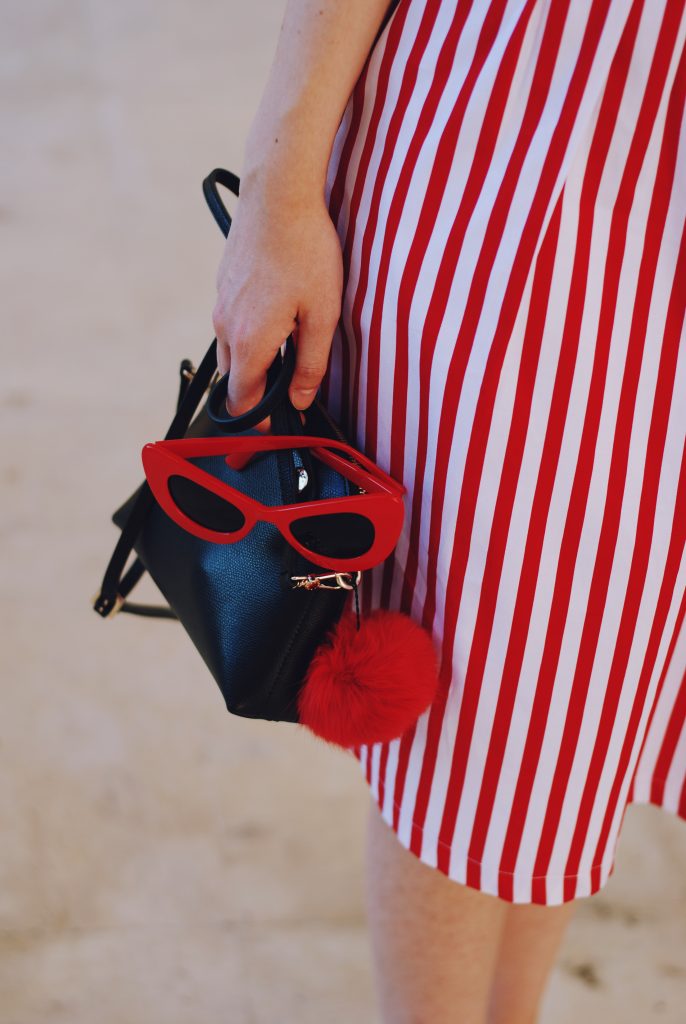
<point>382,503</point>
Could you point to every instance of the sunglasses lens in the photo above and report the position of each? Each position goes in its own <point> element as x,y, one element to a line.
<point>340,535</point>
<point>204,507</point>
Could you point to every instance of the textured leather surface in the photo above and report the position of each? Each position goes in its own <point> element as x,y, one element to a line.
<point>255,633</point>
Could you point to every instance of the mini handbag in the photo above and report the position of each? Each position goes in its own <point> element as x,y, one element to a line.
<point>272,627</point>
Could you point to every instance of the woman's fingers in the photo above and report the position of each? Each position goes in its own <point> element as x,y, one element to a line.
<point>223,357</point>
<point>315,335</point>
<point>248,382</point>
<point>247,386</point>
<point>278,276</point>
<point>245,362</point>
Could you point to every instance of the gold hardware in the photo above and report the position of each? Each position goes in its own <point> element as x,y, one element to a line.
<point>314,582</point>
<point>189,374</point>
<point>118,602</point>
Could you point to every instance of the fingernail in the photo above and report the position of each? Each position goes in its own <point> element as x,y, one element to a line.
<point>303,397</point>
<point>237,460</point>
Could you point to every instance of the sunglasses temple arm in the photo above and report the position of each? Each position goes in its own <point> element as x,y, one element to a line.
<point>386,483</point>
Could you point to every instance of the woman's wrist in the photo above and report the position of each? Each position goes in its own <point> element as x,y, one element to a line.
<point>281,161</point>
<point>321,50</point>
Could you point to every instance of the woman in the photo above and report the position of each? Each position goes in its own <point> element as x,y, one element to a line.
<point>471,212</point>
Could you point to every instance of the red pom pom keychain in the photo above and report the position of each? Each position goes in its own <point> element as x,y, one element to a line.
<point>369,680</point>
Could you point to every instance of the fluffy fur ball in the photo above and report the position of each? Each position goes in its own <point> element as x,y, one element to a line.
<point>369,685</point>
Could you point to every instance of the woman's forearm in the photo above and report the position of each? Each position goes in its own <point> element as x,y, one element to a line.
<point>282,269</point>
<point>320,53</point>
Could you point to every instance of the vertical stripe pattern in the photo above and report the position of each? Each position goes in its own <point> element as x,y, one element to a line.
<point>508,182</point>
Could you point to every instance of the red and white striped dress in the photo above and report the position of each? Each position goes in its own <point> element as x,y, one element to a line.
<point>509,186</point>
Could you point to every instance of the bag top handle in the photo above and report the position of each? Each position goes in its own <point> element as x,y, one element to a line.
<point>214,200</point>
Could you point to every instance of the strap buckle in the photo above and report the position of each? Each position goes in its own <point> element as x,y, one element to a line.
<point>188,370</point>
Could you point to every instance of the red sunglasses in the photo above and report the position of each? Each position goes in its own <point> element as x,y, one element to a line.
<point>346,533</point>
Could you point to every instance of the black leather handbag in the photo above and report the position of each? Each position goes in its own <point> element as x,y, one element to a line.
<point>256,629</point>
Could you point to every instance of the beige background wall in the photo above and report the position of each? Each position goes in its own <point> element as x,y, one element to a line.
<point>162,862</point>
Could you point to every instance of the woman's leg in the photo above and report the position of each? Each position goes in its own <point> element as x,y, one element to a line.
<point>528,948</point>
<point>434,943</point>
<point>447,954</point>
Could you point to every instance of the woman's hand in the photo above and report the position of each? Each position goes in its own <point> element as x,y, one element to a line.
<point>282,268</point>
<point>281,272</point>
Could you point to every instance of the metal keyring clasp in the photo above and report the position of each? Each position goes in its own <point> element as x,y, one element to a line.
<point>313,581</point>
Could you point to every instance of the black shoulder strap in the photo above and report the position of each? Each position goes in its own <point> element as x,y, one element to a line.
<point>117,585</point>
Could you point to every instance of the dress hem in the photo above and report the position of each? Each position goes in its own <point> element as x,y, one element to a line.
<point>546,890</point>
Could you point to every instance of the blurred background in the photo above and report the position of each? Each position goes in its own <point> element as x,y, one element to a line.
<point>163,862</point>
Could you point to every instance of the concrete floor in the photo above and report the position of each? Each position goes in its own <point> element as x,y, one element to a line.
<point>162,862</point>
